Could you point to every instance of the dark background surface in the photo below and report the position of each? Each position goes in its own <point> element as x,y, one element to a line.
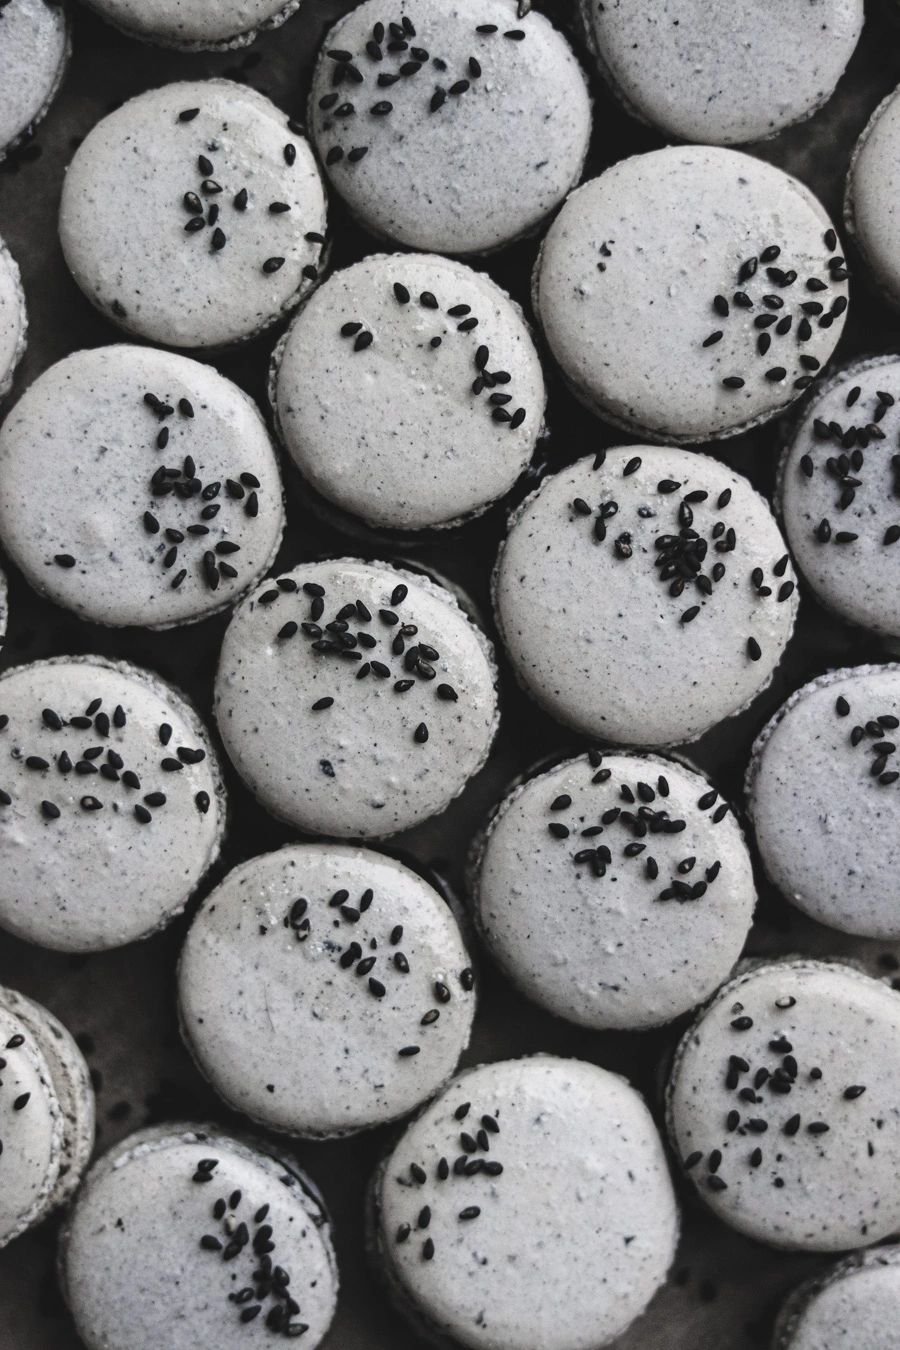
<point>121,1004</point>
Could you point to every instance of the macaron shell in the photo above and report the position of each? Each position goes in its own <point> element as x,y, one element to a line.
<point>13,319</point>
<point>583,1201</point>
<point>158,280</point>
<point>852,561</point>
<point>134,1239</point>
<point>596,942</point>
<point>297,985</point>
<point>195,24</point>
<point>83,878</point>
<point>591,625</point>
<point>853,1306</point>
<point>33,56</point>
<point>742,77</point>
<point>631,287</point>
<point>394,431</point>
<point>359,765</point>
<point>487,164</point>
<point>31,1129</point>
<point>872,185</point>
<point>812,1164</point>
<point>80,458</point>
<point>825,824</point>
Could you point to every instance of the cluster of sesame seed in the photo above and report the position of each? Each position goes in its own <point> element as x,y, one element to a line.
<point>471,1161</point>
<point>21,1100</point>
<point>268,1292</point>
<point>336,639</point>
<point>203,203</point>
<point>766,288</point>
<point>682,552</point>
<point>393,965</point>
<point>845,467</point>
<point>465,321</point>
<point>184,484</point>
<point>871,735</point>
<point>103,761</point>
<point>392,45</point>
<point>760,1091</point>
<point>645,819</point>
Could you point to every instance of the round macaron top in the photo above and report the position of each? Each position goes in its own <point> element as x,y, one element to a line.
<point>547,1170</point>
<point>205,1239</point>
<point>691,292</point>
<point>409,392</point>
<point>616,890</point>
<point>344,952</point>
<point>33,49</point>
<point>148,460</point>
<point>644,595</point>
<point>455,129</point>
<point>838,494</point>
<point>782,1106</point>
<point>13,318</point>
<point>853,1306</point>
<point>31,1128</point>
<point>111,808</point>
<point>741,77</point>
<point>824,795</point>
<point>225,219</point>
<point>355,698</point>
<point>194,23</point>
<point>872,185</point>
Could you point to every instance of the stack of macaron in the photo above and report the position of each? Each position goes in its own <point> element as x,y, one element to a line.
<point>558,738</point>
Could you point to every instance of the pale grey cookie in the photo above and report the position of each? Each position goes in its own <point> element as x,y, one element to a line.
<point>453,128</point>
<point>645,595</point>
<point>355,699</point>
<point>854,1305</point>
<point>823,791</point>
<point>226,215</point>
<point>726,75</point>
<point>615,890</point>
<point>13,319</point>
<point>344,951</point>
<point>184,1231</point>
<point>408,391</point>
<point>529,1205</point>
<point>46,1114</point>
<point>782,1109</point>
<point>872,186</point>
<point>111,802</point>
<point>195,25</point>
<point>691,293</point>
<point>34,50</point>
<point>837,494</point>
<point>138,487</point>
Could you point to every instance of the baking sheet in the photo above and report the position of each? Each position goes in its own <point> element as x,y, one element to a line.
<point>724,1289</point>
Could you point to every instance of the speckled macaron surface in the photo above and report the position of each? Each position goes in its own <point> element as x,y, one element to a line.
<point>872,186</point>
<point>824,796</point>
<point>722,77</point>
<point>838,494</point>
<point>853,1306</point>
<point>355,699</point>
<point>345,952</point>
<point>225,217</point>
<point>190,1229</point>
<point>13,319</point>
<point>34,46</point>
<point>111,808</point>
<point>615,890</point>
<point>195,24</point>
<point>46,1114</point>
<point>138,487</point>
<point>782,1106</point>
<point>691,292</point>
<point>409,391</point>
<point>527,1175</point>
<point>454,128</point>
<point>644,595</point>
